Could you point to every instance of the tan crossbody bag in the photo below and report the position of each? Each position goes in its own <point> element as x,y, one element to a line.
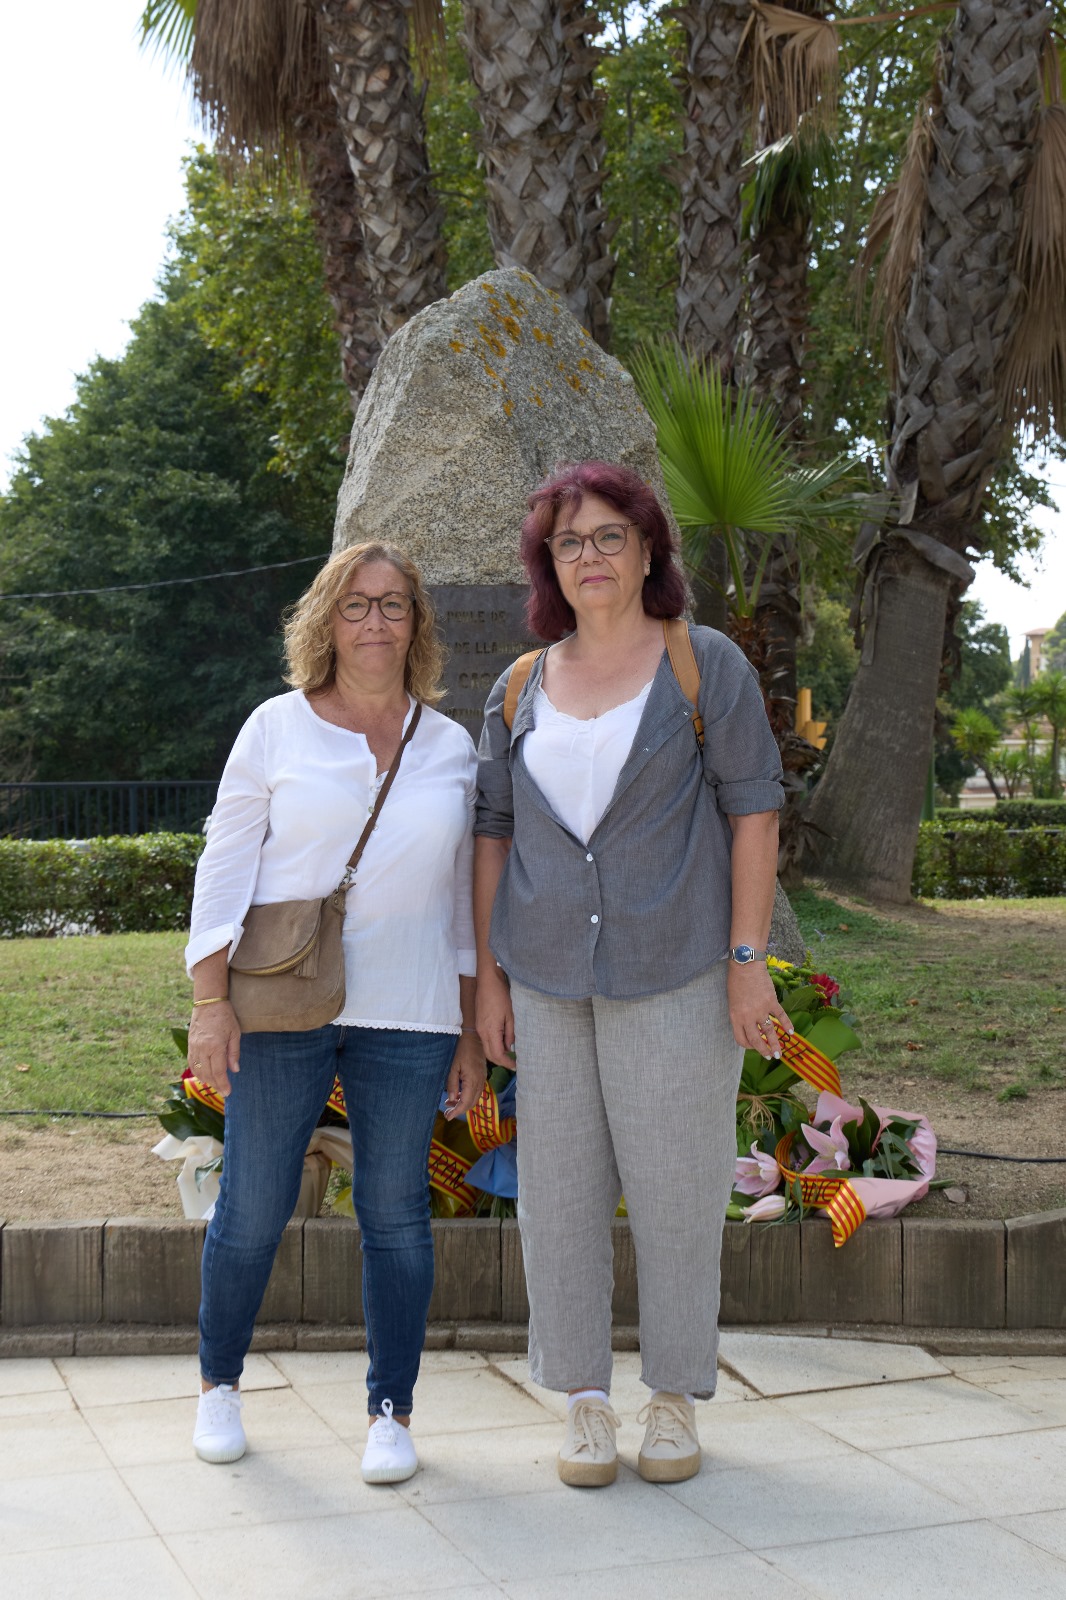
<point>682,660</point>
<point>287,972</point>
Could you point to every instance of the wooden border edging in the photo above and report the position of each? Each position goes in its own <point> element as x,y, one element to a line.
<point>915,1273</point>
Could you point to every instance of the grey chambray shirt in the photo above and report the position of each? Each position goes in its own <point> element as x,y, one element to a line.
<point>644,907</point>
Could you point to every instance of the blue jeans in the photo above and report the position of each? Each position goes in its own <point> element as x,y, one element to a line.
<point>392,1082</point>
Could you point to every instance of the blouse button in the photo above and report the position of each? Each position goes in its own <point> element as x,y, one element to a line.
<point>589,856</point>
<point>594,918</point>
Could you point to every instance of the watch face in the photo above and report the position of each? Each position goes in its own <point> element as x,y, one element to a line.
<point>743,953</point>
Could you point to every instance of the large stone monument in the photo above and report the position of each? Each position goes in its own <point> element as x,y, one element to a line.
<point>473,402</point>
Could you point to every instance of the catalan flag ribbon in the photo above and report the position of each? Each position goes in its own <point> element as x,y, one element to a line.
<point>196,1089</point>
<point>830,1192</point>
<point>447,1174</point>
<point>488,1129</point>
<point>808,1062</point>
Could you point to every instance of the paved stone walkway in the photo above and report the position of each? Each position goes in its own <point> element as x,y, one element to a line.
<point>830,1468</point>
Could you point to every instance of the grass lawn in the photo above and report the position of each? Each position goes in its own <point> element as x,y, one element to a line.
<point>967,992</point>
<point>89,1018</point>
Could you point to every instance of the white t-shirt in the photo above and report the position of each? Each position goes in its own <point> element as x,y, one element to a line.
<point>575,762</point>
<point>293,800</point>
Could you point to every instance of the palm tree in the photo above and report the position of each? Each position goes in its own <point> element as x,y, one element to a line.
<point>976,737</point>
<point>542,142</point>
<point>715,83</point>
<point>956,309</point>
<point>318,85</point>
<point>380,117</point>
<point>1049,695</point>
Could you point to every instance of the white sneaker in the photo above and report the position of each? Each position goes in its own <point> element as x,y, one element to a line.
<point>671,1448</point>
<point>589,1459</point>
<point>219,1433</point>
<point>390,1454</point>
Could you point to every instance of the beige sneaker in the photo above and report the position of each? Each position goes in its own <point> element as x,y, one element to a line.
<point>671,1448</point>
<point>588,1458</point>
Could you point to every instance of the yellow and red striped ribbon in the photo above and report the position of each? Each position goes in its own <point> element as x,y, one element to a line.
<point>808,1062</point>
<point>830,1192</point>
<point>447,1172</point>
<point>196,1089</point>
<point>488,1129</point>
<point>336,1099</point>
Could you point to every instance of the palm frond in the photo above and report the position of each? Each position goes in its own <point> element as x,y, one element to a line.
<point>255,66</point>
<point>1034,376</point>
<point>787,175</point>
<point>795,65</point>
<point>167,28</point>
<point>895,226</point>
<point>727,469</point>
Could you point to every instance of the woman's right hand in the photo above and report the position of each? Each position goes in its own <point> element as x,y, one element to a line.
<point>215,1044</point>
<point>495,1017</point>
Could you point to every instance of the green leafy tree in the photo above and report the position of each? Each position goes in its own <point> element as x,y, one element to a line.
<point>167,467</point>
<point>827,664</point>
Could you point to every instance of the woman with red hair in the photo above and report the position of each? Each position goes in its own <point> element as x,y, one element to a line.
<point>625,863</point>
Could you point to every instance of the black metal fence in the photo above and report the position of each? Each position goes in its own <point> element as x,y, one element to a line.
<point>93,810</point>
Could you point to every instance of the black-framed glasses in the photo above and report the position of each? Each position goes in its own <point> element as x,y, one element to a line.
<point>393,607</point>
<point>609,540</point>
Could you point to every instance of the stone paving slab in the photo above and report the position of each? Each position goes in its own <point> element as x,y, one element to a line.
<point>941,1475</point>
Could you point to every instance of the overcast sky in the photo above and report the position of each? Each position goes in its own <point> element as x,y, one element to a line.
<point>90,179</point>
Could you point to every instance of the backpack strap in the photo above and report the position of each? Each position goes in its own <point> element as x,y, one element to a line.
<point>686,671</point>
<point>516,683</point>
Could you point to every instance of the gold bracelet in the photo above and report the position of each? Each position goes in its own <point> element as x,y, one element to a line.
<point>215,1000</point>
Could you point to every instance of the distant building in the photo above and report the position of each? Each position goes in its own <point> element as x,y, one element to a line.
<point>1035,640</point>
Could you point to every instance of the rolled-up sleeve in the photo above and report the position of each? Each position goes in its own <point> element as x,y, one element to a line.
<point>741,761</point>
<point>495,805</point>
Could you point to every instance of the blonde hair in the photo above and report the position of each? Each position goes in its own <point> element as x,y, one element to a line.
<point>309,652</point>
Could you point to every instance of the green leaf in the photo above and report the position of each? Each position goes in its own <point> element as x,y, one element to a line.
<point>201,1173</point>
<point>833,1036</point>
<point>808,999</point>
<point>180,1037</point>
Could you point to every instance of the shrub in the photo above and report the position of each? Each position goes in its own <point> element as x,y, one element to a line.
<point>988,859</point>
<point>1030,813</point>
<point>119,885</point>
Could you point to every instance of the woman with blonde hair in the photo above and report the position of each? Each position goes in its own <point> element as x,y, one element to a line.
<point>364,664</point>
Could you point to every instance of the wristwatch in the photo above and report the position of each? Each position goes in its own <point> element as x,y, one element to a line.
<point>743,954</point>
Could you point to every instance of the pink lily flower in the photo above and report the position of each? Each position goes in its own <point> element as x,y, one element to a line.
<point>831,1149</point>
<point>768,1209</point>
<point>756,1174</point>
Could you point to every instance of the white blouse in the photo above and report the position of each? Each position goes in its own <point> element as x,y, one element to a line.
<point>293,800</point>
<point>575,762</point>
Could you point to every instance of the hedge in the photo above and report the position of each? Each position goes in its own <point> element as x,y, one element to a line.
<point>119,885</point>
<point>982,859</point>
<point>1013,813</point>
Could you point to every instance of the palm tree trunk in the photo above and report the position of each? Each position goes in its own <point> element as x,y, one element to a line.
<point>542,140</point>
<point>381,121</point>
<point>717,110</point>
<point>335,215</point>
<point>947,433</point>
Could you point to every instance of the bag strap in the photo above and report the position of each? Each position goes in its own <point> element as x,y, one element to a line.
<point>353,859</point>
<point>682,661</point>
<point>516,683</point>
<point>686,671</point>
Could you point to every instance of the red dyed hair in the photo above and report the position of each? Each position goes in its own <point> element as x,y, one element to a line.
<point>550,616</point>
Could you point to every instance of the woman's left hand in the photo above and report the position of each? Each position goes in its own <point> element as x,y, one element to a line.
<point>466,1079</point>
<point>753,1004</point>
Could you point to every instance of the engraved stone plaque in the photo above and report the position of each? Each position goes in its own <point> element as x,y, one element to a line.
<point>484,627</point>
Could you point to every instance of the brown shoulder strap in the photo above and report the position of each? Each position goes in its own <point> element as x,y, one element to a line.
<point>516,683</point>
<point>353,859</point>
<point>683,661</point>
